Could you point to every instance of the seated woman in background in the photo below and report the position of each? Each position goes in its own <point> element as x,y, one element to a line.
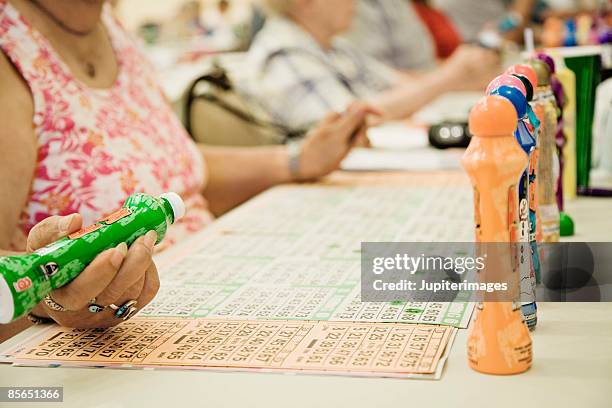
<point>408,35</point>
<point>84,126</point>
<point>302,70</point>
<point>472,16</point>
<point>411,34</point>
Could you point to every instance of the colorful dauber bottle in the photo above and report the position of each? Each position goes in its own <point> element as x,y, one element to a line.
<point>529,79</point>
<point>499,341</point>
<point>566,224</point>
<point>567,78</point>
<point>545,107</point>
<point>26,279</point>
<point>527,143</point>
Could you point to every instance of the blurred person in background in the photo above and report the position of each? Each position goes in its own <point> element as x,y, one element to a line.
<point>302,69</point>
<point>471,17</point>
<point>227,23</point>
<point>185,24</point>
<point>407,35</point>
<point>84,126</point>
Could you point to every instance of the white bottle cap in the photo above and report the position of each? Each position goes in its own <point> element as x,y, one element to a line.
<point>6,302</point>
<point>177,204</point>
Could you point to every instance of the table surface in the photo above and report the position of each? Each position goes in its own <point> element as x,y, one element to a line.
<point>572,368</point>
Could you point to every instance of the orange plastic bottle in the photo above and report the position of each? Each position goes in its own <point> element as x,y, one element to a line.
<point>499,341</point>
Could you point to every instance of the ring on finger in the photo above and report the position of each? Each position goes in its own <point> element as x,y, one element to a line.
<point>123,309</point>
<point>53,305</point>
<point>130,313</point>
<point>94,307</point>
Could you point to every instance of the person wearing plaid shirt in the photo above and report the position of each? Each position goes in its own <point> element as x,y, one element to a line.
<point>298,81</point>
<point>301,70</point>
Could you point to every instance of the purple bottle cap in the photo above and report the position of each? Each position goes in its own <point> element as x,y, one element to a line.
<point>548,60</point>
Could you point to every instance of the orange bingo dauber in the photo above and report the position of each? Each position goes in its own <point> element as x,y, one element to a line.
<point>499,341</point>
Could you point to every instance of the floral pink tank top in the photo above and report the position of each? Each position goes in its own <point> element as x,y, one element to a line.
<point>96,147</point>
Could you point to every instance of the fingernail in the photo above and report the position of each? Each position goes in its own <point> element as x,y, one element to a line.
<point>150,238</point>
<point>123,248</point>
<point>66,222</point>
<point>119,255</point>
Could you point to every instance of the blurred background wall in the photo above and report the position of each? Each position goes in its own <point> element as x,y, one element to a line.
<point>134,13</point>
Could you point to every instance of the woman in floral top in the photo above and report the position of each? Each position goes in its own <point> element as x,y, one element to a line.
<point>84,125</point>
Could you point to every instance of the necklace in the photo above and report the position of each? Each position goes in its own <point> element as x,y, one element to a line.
<point>90,68</point>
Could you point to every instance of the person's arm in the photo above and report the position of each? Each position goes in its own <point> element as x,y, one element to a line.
<point>524,8</point>
<point>236,174</point>
<point>18,147</point>
<point>411,95</point>
<point>469,68</point>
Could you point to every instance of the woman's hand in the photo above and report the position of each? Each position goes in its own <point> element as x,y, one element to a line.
<point>327,145</point>
<point>115,276</point>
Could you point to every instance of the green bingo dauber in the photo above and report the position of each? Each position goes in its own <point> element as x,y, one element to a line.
<point>26,279</point>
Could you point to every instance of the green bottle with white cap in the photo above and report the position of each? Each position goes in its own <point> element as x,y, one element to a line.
<point>26,279</point>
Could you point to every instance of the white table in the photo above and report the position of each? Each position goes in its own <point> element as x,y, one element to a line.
<point>572,368</point>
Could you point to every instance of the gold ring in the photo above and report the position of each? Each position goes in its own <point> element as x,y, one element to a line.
<point>130,313</point>
<point>53,305</point>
